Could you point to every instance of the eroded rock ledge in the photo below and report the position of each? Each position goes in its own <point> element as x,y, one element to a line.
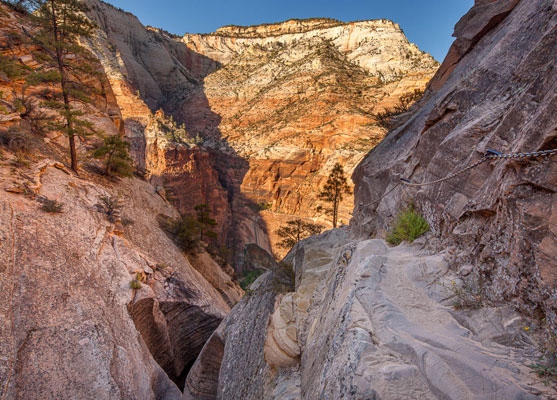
<point>366,321</point>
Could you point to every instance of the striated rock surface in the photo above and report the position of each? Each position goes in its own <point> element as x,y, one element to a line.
<point>276,106</point>
<point>217,277</point>
<point>499,217</point>
<point>365,321</point>
<point>71,325</point>
<point>426,321</point>
<point>68,311</point>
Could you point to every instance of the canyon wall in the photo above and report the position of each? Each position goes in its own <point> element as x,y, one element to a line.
<point>496,90</point>
<point>275,107</point>
<point>71,324</point>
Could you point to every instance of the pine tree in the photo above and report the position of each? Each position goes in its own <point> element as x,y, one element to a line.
<point>335,189</point>
<point>206,223</point>
<point>184,232</point>
<point>59,25</point>
<point>296,230</point>
<point>115,151</point>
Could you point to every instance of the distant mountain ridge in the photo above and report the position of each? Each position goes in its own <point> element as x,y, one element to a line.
<point>280,102</point>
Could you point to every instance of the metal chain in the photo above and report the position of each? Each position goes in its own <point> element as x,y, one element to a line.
<point>490,155</point>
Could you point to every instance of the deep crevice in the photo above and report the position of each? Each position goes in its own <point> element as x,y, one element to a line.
<point>174,332</point>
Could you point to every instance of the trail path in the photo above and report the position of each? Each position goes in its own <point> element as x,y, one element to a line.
<point>381,324</point>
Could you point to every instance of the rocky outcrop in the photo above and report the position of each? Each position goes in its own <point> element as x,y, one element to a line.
<point>94,302</point>
<point>217,277</point>
<point>426,321</point>
<point>68,310</point>
<point>219,372</point>
<point>365,321</point>
<point>500,216</point>
<point>276,106</point>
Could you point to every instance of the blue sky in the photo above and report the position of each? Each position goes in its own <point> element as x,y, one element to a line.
<point>428,23</point>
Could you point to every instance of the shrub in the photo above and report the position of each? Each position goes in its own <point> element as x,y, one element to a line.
<point>467,297</point>
<point>383,119</point>
<point>51,206</point>
<point>115,152</point>
<point>20,162</point>
<point>12,68</point>
<point>127,221</point>
<point>28,110</point>
<point>204,222</point>
<point>296,230</point>
<point>184,231</point>
<point>135,284</point>
<point>386,118</point>
<point>546,370</point>
<point>14,140</point>
<point>160,266</point>
<point>249,277</point>
<point>111,206</point>
<point>408,225</point>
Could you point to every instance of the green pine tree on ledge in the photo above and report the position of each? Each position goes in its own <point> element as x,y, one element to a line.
<point>335,189</point>
<point>58,26</point>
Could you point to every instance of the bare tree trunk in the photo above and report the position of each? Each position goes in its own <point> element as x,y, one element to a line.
<point>107,170</point>
<point>335,211</point>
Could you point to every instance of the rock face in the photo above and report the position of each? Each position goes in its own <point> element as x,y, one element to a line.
<point>68,311</point>
<point>365,321</point>
<point>296,97</point>
<point>496,90</point>
<point>71,324</point>
<point>276,106</point>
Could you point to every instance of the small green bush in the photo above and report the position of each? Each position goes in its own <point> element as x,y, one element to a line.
<point>51,206</point>
<point>546,372</point>
<point>249,277</point>
<point>115,152</point>
<point>135,284</point>
<point>408,225</point>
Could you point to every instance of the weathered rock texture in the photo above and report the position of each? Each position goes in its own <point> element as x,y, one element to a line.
<point>364,322</point>
<point>276,105</point>
<point>71,327</point>
<point>370,322</point>
<point>68,311</point>
<point>498,92</point>
<point>220,370</point>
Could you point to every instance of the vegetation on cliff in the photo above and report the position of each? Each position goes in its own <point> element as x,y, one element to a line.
<point>334,190</point>
<point>59,24</point>
<point>115,152</point>
<point>407,226</point>
<point>296,230</point>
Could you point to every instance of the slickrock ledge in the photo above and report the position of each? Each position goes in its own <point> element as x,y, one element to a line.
<point>370,322</point>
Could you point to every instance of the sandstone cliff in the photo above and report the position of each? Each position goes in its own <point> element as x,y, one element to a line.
<point>276,106</point>
<point>71,326</point>
<point>496,90</point>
